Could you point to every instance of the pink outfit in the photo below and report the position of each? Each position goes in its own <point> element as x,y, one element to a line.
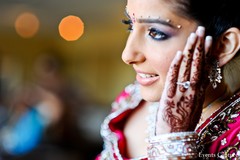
<point>219,135</point>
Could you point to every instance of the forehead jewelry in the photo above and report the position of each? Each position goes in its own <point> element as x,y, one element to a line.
<point>133,18</point>
<point>150,19</point>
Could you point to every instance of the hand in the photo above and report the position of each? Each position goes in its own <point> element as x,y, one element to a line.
<point>180,107</point>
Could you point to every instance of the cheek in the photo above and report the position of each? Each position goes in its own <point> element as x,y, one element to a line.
<point>163,55</point>
<point>162,62</point>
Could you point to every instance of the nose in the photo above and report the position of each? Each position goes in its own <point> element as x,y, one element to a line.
<point>133,51</point>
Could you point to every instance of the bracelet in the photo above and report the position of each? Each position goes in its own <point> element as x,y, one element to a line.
<point>171,146</point>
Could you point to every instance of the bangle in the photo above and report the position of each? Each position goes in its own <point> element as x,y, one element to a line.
<point>179,145</point>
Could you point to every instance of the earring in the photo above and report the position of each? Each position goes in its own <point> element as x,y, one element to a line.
<point>215,74</point>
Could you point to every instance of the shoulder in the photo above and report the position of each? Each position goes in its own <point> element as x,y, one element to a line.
<point>128,98</point>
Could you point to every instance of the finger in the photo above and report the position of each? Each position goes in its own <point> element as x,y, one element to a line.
<point>172,76</point>
<point>198,58</point>
<point>187,59</point>
<point>208,44</point>
<point>196,113</point>
<point>200,32</point>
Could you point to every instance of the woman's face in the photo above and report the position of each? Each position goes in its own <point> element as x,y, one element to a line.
<point>157,33</point>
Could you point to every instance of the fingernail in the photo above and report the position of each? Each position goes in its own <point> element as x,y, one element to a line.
<point>200,31</point>
<point>208,38</point>
<point>192,36</point>
<point>208,42</point>
<point>179,53</point>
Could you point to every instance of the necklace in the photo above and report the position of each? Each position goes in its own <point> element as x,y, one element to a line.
<point>209,106</point>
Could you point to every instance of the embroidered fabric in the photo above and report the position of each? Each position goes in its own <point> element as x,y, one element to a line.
<point>218,136</point>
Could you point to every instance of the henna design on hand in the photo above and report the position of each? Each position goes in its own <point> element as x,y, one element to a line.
<point>187,71</point>
<point>197,63</point>
<point>180,107</point>
<point>196,114</point>
<point>176,115</point>
<point>172,87</point>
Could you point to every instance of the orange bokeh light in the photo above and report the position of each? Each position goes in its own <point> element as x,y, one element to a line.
<point>71,28</point>
<point>27,25</point>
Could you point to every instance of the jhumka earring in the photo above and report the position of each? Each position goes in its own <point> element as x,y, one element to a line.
<point>215,74</point>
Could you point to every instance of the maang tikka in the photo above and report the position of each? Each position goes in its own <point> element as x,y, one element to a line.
<point>215,74</point>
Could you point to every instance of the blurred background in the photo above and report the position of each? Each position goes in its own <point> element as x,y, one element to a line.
<point>60,70</point>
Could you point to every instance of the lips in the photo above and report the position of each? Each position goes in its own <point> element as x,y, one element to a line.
<point>146,79</point>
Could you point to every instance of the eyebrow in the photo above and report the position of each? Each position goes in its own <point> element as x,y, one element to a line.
<point>155,20</point>
<point>152,20</point>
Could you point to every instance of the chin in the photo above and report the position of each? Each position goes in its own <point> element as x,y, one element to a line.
<point>150,95</point>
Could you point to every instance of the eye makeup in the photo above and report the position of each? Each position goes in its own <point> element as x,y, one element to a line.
<point>157,35</point>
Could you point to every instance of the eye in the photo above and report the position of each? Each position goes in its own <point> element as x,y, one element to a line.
<point>129,23</point>
<point>157,35</point>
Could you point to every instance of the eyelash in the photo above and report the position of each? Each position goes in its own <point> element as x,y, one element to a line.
<point>129,23</point>
<point>153,32</point>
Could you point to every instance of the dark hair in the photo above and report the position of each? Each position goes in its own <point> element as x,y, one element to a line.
<point>216,15</point>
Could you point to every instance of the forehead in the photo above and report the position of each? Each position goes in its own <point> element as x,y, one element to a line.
<point>163,9</point>
<point>151,7</point>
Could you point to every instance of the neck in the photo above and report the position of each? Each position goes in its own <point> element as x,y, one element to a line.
<point>214,99</point>
<point>219,94</point>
